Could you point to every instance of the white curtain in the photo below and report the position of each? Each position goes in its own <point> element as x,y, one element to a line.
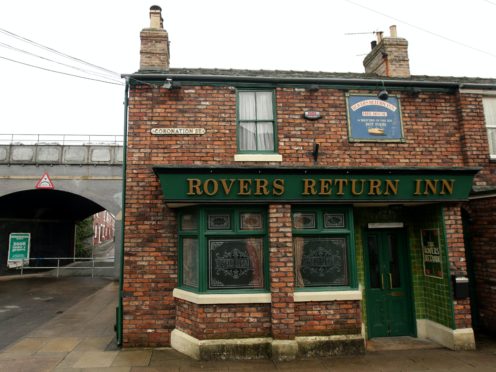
<point>256,135</point>
<point>490,115</point>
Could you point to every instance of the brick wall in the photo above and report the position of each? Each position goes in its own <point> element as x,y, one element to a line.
<point>328,318</point>
<point>483,232</point>
<point>431,124</point>
<point>457,260</point>
<point>281,272</point>
<point>207,322</point>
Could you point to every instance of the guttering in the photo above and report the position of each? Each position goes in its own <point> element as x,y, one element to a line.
<point>307,80</point>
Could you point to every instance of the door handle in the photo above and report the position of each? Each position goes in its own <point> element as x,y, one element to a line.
<point>390,281</point>
<point>382,281</point>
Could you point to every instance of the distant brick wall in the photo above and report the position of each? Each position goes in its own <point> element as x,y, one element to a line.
<point>483,232</point>
<point>328,318</point>
<point>207,322</point>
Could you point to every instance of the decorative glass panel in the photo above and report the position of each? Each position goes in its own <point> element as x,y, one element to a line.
<point>304,220</point>
<point>321,261</point>
<point>334,220</point>
<point>189,221</point>
<point>374,267</point>
<point>190,262</point>
<point>235,263</point>
<point>219,222</point>
<point>250,221</point>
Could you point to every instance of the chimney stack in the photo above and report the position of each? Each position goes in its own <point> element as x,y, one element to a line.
<point>154,51</point>
<point>389,56</point>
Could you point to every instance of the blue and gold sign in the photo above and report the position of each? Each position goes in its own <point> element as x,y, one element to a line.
<point>373,119</point>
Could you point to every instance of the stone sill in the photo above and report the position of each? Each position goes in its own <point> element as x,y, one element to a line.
<point>355,295</point>
<point>228,298</point>
<point>257,157</point>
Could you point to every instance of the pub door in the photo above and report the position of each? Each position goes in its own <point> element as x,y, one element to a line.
<point>388,290</point>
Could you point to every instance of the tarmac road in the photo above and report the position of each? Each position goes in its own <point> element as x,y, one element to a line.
<point>26,303</point>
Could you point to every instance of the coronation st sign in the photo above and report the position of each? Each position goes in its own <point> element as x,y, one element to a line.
<point>212,186</point>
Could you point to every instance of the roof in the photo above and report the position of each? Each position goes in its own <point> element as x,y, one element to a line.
<point>312,76</point>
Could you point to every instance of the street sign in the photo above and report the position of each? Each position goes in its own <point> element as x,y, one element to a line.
<point>45,182</point>
<point>19,246</point>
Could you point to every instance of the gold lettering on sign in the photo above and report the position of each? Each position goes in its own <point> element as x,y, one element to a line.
<point>447,187</point>
<point>210,187</point>
<point>325,186</point>
<point>244,187</point>
<point>340,184</point>
<point>417,187</point>
<point>309,187</point>
<point>430,187</point>
<point>278,186</point>
<point>391,188</point>
<point>375,187</point>
<point>194,186</point>
<point>227,187</point>
<point>261,187</point>
<point>354,189</point>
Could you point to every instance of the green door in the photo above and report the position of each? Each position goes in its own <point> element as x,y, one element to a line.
<point>388,284</point>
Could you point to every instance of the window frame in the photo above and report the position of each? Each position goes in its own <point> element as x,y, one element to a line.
<point>239,121</point>
<point>320,231</point>
<point>203,234</point>
<point>489,126</point>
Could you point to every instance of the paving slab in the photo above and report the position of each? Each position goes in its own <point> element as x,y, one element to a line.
<point>96,359</point>
<point>132,358</point>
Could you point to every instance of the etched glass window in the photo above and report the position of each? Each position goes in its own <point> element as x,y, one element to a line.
<point>222,248</point>
<point>235,263</point>
<point>219,222</point>
<point>334,220</point>
<point>304,220</point>
<point>250,221</point>
<point>320,261</point>
<point>190,262</point>
<point>189,221</point>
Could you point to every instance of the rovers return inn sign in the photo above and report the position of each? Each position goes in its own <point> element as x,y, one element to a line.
<point>216,184</point>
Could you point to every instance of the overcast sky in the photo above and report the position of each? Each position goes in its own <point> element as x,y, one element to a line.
<point>446,38</point>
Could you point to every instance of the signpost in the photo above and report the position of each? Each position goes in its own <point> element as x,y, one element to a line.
<point>19,246</point>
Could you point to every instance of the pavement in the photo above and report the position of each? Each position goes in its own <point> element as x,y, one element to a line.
<point>82,339</point>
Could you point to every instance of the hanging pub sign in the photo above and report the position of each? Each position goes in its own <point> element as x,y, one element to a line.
<point>431,252</point>
<point>373,119</point>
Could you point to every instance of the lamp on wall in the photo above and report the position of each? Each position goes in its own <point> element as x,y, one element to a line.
<point>383,93</point>
<point>171,84</point>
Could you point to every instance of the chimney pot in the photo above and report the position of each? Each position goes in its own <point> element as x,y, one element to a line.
<point>373,44</point>
<point>156,20</point>
<point>392,31</point>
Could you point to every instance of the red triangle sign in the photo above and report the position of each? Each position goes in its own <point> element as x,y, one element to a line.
<point>45,182</point>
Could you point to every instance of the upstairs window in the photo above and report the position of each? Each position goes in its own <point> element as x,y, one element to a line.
<point>490,115</point>
<point>256,124</point>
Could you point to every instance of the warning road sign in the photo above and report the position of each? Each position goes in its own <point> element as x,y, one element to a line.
<point>45,182</point>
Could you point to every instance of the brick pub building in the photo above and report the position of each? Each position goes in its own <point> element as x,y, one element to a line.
<point>276,214</point>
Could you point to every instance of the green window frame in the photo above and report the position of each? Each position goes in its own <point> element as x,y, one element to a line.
<point>324,248</point>
<point>223,249</point>
<point>256,121</point>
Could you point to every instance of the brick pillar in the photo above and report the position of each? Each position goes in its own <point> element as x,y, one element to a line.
<point>281,272</point>
<point>457,261</point>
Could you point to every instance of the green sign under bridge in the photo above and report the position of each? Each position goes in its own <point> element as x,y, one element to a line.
<point>217,184</point>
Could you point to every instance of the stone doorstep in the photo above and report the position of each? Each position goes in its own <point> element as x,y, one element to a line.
<point>266,347</point>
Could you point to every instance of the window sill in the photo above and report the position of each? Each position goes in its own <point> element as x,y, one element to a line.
<point>228,298</point>
<point>257,157</point>
<point>328,296</point>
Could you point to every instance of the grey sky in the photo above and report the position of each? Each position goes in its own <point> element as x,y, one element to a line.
<point>446,38</point>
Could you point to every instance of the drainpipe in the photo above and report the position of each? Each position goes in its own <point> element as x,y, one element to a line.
<point>119,310</point>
